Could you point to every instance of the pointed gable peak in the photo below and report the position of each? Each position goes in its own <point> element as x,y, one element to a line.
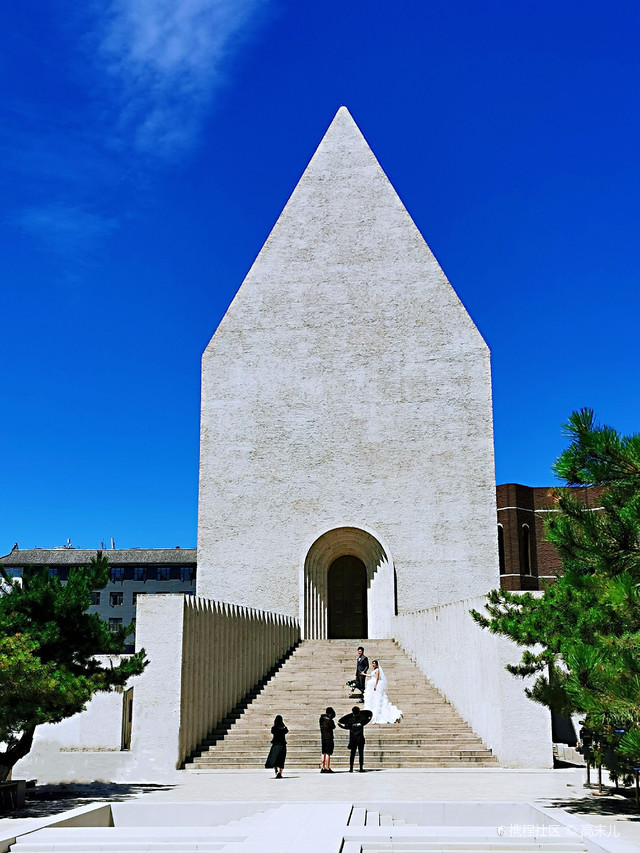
<point>343,118</point>
<point>341,181</point>
<point>345,239</point>
<point>343,135</point>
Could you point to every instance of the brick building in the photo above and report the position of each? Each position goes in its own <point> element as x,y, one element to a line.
<point>527,562</point>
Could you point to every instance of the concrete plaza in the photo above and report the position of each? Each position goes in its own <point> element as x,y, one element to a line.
<point>549,788</point>
<point>610,816</point>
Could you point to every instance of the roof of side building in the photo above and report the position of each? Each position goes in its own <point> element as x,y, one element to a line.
<point>82,556</point>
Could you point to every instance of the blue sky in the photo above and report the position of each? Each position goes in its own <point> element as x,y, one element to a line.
<point>147,148</point>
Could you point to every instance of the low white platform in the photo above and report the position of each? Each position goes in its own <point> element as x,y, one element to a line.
<point>343,827</point>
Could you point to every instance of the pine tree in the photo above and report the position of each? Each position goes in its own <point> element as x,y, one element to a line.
<point>48,644</point>
<point>586,626</point>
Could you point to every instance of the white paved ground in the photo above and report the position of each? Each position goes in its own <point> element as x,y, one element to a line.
<point>547,788</point>
<point>558,788</point>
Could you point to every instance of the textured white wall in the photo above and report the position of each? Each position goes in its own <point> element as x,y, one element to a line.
<point>346,387</point>
<point>155,734</point>
<point>97,728</point>
<point>466,663</point>
<point>83,748</point>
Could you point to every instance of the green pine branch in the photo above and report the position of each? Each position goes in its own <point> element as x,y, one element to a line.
<point>582,637</point>
<point>48,648</point>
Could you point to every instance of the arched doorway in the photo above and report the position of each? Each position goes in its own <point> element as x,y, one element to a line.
<point>335,560</point>
<point>347,586</point>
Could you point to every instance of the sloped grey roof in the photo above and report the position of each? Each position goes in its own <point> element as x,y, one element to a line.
<point>117,557</point>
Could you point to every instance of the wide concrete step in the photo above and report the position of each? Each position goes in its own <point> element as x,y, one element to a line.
<point>263,720</point>
<point>258,753</point>
<point>291,705</point>
<point>309,728</point>
<point>414,693</point>
<point>314,752</point>
<point>368,831</point>
<point>181,839</point>
<point>310,760</point>
<point>122,846</point>
<point>311,763</point>
<point>413,690</point>
<point>419,846</point>
<point>416,739</point>
<point>296,744</point>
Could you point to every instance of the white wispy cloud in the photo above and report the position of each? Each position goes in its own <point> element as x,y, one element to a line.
<point>148,71</point>
<point>165,59</point>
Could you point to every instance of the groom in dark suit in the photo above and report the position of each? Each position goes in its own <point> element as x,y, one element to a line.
<point>362,665</point>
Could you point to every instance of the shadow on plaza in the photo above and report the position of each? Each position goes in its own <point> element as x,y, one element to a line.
<point>622,806</point>
<point>44,800</point>
<point>339,772</point>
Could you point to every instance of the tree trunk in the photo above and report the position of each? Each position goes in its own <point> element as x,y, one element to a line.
<point>15,752</point>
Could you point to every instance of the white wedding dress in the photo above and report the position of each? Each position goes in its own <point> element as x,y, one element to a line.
<point>377,700</point>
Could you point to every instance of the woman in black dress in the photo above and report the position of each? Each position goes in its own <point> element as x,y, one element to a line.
<point>278,751</point>
<point>326,735</point>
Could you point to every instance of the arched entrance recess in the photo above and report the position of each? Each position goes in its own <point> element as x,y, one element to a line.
<point>319,594</point>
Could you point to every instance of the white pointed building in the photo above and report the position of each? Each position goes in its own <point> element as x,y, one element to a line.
<point>346,468</point>
<point>346,488</point>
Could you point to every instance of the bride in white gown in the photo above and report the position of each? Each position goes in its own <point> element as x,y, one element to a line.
<point>375,697</point>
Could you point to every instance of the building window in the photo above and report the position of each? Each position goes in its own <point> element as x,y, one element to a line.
<point>163,573</point>
<point>116,599</point>
<point>139,574</point>
<point>115,625</point>
<point>134,597</point>
<point>53,573</point>
<point>526,550</point>
<point>501,548</point>
<point>116,575</point>
<point>186,574</point>
<point>95,598</point>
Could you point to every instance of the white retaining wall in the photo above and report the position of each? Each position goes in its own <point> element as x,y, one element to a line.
<point>466,663</point>
<point>83,748</point>
<point>204,657</point>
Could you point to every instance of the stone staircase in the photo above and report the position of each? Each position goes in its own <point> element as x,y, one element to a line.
<point>430,734</point>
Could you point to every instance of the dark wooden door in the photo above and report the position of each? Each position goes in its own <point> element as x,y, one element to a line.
<point>347,599</point>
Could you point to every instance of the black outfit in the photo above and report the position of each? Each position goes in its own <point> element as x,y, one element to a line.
<point>356,742</point>
<point>278,752</point>
<point>362,665</point>
<point>326,734</point>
